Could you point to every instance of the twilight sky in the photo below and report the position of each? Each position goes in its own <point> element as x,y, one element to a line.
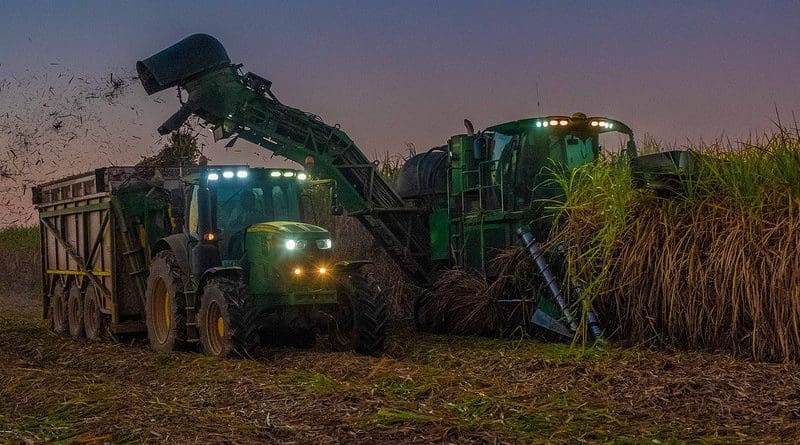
<point>411,71</point>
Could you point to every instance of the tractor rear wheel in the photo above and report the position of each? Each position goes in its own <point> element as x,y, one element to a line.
<point>227,318</point>
<point>94,322</point>
<point>58,308</point>
<point>75,310</point>
<point>361,319</point>
<point>165,304</point>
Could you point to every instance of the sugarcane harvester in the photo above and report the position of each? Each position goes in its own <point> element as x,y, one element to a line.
<point>454,206</point>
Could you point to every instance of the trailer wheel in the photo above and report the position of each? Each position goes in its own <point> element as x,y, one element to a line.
<point>361,318</point>
<point>94,322</point>
<point>58,308</point>
<point>227,318</point>
<point>165,304</point>
<point>75,310</point>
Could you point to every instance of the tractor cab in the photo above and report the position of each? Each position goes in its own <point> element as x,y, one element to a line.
<point>230,199</point>
<point>236,210</point>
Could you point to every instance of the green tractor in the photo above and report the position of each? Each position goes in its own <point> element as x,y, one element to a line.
<point>243,266</point>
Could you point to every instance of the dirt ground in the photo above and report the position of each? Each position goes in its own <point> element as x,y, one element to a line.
<point>427,389</point>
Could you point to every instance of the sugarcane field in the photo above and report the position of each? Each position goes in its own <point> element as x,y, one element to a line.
<point>259,222</point>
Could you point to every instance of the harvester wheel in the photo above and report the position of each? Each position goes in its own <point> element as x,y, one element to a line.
<point>58,308</point>
<point>361,318</point>
<point>165,304</point>
<point>75,310</point>
<point>227,319</point>
<point>94,322</point>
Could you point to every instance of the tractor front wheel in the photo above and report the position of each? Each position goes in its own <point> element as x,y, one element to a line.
<point>361,318</point>
<point>227,319</point>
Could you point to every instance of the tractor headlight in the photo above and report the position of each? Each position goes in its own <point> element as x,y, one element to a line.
<point>291,244</point>
<point>324,244</point>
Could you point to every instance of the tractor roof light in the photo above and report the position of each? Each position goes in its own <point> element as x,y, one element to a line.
<point>212,177</point>
<point>241,174</point>
<point>275,174</point>
<point>538,124</point>
<point>288,174</point>
<point>563,123</point>
<point>554,122</point>
<point>302,176</point>
<point>594,123</point>
<point>227,174</point>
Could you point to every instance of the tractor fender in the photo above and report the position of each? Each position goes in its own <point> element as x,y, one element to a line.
<point>351,265</point>
<point>178,245</point>
<point>232,272</point>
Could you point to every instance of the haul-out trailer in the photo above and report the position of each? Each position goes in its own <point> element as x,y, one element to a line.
<point>455,206</point>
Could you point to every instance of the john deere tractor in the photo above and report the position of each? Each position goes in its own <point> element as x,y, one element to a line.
<point>244,266</point>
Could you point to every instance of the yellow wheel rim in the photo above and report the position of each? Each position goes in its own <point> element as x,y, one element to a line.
<point>221,326</point>
<point>161,307</point>
<point>215,328</point>
<point>167,311</point>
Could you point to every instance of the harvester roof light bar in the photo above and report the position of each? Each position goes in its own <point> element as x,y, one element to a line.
<point>241,174</point>
<point>563,123</point>
<point>288,174</point>
<point>553,122</point>
<point>213,177</point>
<point>275,174</point>
<point>302,176</point>
<point>538,124</point>
<point>227,174</point>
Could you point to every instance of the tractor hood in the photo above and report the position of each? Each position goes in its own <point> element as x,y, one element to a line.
<point>298,229</point>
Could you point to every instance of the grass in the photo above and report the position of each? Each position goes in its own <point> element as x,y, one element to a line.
<point>427,388</point>
<point>712,266</point>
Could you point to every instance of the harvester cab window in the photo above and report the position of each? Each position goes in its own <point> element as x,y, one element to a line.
<point>577,151</point>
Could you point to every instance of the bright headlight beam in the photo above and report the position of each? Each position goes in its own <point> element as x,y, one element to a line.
<point>290,244</point>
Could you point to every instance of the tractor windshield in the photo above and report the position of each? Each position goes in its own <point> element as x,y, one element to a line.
<point>241,205</point>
